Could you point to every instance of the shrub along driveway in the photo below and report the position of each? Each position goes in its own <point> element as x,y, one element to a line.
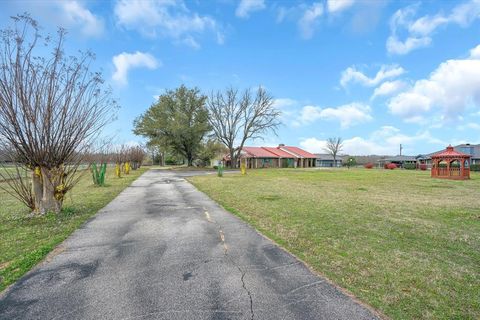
<point>163,250</point>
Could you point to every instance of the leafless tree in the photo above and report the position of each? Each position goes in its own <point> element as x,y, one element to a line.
<point>237,117</point>
<point>16,178</point>
<point>52,108</point>
<point>136,155</point>
<point>333,147</point>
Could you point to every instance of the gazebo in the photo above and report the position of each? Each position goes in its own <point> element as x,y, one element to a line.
<point>451,164</point>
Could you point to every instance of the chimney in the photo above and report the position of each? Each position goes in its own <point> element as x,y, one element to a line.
<point>281,145</point>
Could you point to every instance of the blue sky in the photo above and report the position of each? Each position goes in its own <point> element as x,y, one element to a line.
<point>376,73</point>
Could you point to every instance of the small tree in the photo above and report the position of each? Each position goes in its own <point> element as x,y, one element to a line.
<point>52,108</point>
<point>209,150</point>
<point>351,162</point>
<point>238,117</point>
<point>178,119</point>
<point>333,147</point>
<point>119,157</point>
<point>136,156</point>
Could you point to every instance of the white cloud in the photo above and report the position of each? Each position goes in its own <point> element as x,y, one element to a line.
<point>469,126</point>
<point>384,141</point>
<point>421,29</point>
<point>70,14</point>
<point>126,61</point>
<point>353,146</point>
<point>403,47</point>
<point>351,74</point>
<point>284,103</point>
<point>388,88</point>
<point>348,115</point>
<point>245,7</point>
<point>475,52</point>
<point>165,18</point>
<point>76,15</point>
<point>450,89</point>
<point>309,20</point>
<point>335,6</point>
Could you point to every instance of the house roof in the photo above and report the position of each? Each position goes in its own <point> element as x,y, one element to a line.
<point>279,152</point>
<point>326,156</point>
<point>450,152</point>
<point>470,149</point>
<point>259,152</point>
<point>400,158</point>
<point>297,151</point>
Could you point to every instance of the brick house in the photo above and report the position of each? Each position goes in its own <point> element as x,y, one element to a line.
<point>276,157</point>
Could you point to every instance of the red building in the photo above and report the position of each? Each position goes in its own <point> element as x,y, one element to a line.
<point>276,157</point>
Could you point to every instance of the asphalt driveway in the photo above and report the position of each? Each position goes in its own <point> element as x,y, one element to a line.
<point>164,250</point>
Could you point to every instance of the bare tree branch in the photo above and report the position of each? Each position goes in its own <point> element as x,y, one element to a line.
<point>236,118</point>
<point>333,147</point>
<point>52,108</point>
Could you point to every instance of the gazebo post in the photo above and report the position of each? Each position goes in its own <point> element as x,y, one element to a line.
<point>462,167</point>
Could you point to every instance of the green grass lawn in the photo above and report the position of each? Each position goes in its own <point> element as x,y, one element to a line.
<point>25,241</point>
<point>405,243</point>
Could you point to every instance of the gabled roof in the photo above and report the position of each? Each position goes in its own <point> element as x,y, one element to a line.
<point>327,156</point>
<point>279,152</point>
<point>400,158</point>
<point>450,153</point>
<point>259,152</point>
<point>470,149</point>
<point>297,151</point>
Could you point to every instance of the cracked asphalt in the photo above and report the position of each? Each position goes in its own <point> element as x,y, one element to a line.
<point>164,250</point>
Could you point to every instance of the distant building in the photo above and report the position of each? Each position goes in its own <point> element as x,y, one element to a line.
<point>275,157</point>
<point>471,149</point>
<point>400,161</point>
<point>326,160</point>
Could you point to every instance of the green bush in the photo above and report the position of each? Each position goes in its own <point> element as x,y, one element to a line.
<point>475,167</point>
<point>351,162</point>
<point>410,166</point>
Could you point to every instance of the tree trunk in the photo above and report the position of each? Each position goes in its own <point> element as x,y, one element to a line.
<point>233,160</point>
<point>37,187</point>
<point>52,198</point>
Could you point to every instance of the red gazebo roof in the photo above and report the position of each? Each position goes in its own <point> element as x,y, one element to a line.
<point>450,153</point>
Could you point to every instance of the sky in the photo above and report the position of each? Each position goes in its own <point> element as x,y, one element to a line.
<point>375,73</point>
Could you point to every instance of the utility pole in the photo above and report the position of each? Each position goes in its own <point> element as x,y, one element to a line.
<point>401,149</point>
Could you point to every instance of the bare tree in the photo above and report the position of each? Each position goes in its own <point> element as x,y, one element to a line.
<point>333,147</point>
<point>136,155</point>
<point>119,157</point>
<point>237,117</point>
<point>16,178</point>
<point>52,108</point>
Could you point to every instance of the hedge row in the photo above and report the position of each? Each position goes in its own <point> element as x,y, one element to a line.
<point>475,167</point>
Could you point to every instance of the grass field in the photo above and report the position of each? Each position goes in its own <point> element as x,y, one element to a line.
<point>402,242</point>
<point>25,241</point>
